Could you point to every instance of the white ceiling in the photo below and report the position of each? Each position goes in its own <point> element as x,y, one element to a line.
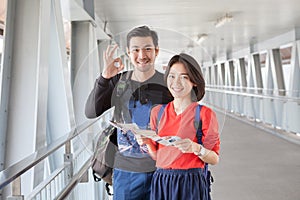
<point>178,22</point>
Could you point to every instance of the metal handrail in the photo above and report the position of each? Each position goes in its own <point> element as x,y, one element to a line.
<point>75,180</point>
<point>11,173</point>
<point>263,96</point>
<point>45,182</point>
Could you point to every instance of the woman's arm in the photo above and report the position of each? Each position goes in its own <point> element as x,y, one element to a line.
<point>207,156</point>
<point>188,146</point>
<point>151,145</point>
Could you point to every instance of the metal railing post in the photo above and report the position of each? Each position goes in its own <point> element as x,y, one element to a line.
<point>16,190</point>
<point>68,160</point>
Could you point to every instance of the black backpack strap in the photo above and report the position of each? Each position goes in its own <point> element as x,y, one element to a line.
<point>108,189</point>
<point>123,83</point>
<point>198,126</point>
<point>159,115</point>
<point>121,87</point>
<point>96,177</point>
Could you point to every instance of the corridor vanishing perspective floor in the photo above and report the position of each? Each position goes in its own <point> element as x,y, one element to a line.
<point>255,164</point>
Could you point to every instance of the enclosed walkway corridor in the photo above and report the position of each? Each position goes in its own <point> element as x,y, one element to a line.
<point>51,54</point>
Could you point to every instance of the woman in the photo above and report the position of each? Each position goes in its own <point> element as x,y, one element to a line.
<point>180,166</point>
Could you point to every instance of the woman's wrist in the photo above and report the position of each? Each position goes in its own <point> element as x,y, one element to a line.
<point>199,150</point>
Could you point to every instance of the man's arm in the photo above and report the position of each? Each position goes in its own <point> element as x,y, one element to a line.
<point>99,100</point>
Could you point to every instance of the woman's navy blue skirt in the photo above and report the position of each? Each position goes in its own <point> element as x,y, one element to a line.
<point>177,184</point>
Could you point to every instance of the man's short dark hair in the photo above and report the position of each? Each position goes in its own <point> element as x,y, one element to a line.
<point>142,31</point>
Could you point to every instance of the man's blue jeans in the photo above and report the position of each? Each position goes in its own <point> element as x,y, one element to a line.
<point>131,185</point>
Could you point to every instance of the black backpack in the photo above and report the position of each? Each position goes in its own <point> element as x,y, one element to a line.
<point>107,146</point>
<point>104,156</point>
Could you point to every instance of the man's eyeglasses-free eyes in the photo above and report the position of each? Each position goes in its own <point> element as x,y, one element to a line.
<point>144,50</point>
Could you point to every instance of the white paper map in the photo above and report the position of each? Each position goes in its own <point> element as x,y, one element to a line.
<point>167,141</point>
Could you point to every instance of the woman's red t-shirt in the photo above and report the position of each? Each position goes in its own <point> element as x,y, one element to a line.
<point>182,125</point>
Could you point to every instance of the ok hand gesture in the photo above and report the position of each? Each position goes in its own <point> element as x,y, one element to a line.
<point>112,65</point>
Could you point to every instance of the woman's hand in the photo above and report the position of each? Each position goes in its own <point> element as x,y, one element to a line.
<point>141,140</point>
<point>186,145</point>
<point>112,65</point>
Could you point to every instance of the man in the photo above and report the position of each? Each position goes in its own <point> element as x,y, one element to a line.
<point>133,94</point>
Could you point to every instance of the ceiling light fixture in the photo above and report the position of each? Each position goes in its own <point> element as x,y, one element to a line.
<point>201,38</point>
<point>223,20</point>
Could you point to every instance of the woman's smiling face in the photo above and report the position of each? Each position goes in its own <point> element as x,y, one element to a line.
<point>179,82</point>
